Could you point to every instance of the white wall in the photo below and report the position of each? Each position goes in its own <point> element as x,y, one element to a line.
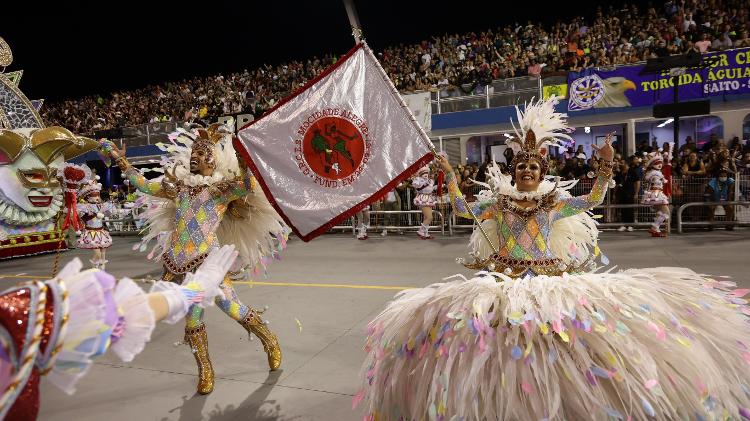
<point>666,133</point>
<point>586,139</point>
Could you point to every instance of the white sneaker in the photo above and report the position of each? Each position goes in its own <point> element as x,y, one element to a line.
<point>630,229</point>
<point>621,229</point>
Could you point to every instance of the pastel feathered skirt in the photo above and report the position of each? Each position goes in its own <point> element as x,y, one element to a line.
<point>643,344</point>
<point>97,238</point>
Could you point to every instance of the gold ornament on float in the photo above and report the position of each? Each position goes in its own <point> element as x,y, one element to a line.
<point>6,55</point>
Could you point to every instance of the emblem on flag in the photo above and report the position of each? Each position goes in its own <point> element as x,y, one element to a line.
<point>333,147</point>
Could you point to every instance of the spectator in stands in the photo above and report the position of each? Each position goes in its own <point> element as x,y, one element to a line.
<point>712,144</point>
<point>482,171</point>
<point>643,147</point>
<point>704,44</point>
<point>693,166</point>
<point>615,36</point>
<point>743,165</point>
<point>721,189</point>
<point>688,146</point>
<point>534,69</point>
<point>743,41</point>
<point>628,186</point>
<point>508,155</point>
<point>725,160</point>
<point>735,145</point>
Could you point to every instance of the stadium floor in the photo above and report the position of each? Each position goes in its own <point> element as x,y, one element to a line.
<point>321,295</point>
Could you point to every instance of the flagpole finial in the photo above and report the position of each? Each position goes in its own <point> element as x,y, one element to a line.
<point>357,34</point>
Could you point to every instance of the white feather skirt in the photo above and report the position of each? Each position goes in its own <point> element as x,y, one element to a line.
<point>660,343</point>
<point>654,197</point>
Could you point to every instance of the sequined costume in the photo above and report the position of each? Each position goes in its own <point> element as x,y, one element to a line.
<point>199,210</point>
<point>94,234</point>
<point>523,234</point>
<point>189,215</point>
<point>654,192</point>
<point>58,327</point>
<point>540,335</point>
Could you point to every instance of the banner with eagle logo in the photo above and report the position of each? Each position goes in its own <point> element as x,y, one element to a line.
<point>340,142</point>
<point>728,74</point>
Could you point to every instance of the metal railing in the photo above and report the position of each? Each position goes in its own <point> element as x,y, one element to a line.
<point>711,222</point>
<point>499,93</point>
<point>413,221</point>
<point>122,226</point>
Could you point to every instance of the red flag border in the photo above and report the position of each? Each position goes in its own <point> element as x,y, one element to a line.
<point>240,147</point>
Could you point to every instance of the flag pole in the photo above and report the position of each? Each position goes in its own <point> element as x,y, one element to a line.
<point>469,211</point>
<point>351,13</point>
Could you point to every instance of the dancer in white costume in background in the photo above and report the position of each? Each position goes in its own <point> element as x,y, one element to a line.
<point>654,195</point>
<point>538,334</point>
<point>92,211</point>
<point>425,200</point>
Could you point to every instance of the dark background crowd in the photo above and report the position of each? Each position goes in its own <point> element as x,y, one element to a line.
<point>612,36</point>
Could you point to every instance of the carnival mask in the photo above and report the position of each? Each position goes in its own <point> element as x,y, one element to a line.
<point>29,183</point>
<point>29,160</point>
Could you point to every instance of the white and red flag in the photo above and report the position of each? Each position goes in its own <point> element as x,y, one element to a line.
<point>341,141</point>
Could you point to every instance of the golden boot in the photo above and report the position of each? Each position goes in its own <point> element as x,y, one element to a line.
<point>198,341</point>
<point>255,325</point>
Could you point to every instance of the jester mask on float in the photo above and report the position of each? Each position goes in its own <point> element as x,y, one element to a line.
<point>30,191</point>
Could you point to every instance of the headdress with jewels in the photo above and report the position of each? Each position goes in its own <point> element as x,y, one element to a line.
<point>539,127</point>
<point>207,138</point>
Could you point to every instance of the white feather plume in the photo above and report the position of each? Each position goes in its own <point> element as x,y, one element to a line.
<point>540,117</point>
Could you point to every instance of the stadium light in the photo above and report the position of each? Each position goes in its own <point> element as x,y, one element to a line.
<point>667,121</point>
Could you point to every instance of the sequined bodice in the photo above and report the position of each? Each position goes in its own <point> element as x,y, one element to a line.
<point>524,232</point>
<point>199,211</point>
<point>197,217</point>
<point>524,238</point>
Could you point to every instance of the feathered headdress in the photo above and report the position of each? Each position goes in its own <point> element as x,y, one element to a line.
<point>207,137</point>
<point>653,158</point>
<point>539,127</point>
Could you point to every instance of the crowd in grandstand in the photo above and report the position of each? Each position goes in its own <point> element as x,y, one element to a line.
<point>614,36</point>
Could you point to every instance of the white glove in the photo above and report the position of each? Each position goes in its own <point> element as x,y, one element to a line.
<point>200,288</point>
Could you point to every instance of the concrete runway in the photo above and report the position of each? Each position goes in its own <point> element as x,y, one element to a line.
<point>346,283</point>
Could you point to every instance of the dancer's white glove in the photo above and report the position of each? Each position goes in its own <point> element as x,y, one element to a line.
<point>200,288</point>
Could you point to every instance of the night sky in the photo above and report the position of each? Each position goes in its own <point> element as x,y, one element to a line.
<point>80,48</point>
